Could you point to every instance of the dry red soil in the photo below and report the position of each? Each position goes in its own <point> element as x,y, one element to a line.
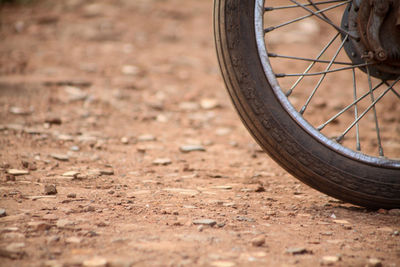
<point>98,98</point>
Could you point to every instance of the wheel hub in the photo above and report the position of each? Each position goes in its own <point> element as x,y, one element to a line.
<point>375,24</point>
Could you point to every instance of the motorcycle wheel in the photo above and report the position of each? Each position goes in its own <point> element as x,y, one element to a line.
<point>336,156</point>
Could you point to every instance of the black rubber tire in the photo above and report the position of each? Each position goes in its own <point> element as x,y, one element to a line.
<point>297,151</point>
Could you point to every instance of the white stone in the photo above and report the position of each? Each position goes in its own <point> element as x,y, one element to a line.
<point>16,172</point>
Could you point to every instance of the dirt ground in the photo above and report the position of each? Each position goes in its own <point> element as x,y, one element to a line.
<point>127,151</point>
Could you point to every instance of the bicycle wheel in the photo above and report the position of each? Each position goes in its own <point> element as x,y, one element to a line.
<point>302,80</point>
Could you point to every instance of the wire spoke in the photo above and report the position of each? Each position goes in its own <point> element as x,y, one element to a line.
<point>322,126</point>
<point>303,109</point>
<point>309,59</point>
<point>317,14</point>
<point>358,144</point>
<point>290,91</point>
<point>394,91</point>
<point>334,64</point>
<point>340,138</point>
<point>294,6</point>
<point>317,9</point>
<point>378,132</point>
<point>269,29</point>
<point>282,75</point>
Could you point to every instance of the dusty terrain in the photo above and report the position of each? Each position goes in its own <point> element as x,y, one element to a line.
<point>106,101</point>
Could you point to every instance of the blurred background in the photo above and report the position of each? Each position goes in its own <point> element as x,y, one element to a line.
<point>119,147</point>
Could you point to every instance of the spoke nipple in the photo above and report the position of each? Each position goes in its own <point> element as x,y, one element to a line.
<point>303,109</point>
<point>280,75</point>
<point>339,139</point>
<point>266,9</point>
<point>269,29</point>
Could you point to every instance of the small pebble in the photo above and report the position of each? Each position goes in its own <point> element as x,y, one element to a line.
<point>125,140</point>
<point>73,240</point>
<point>162,161</point>
<point>209,103</point>
<point>221,224</point>
<point>60,157</point>
<point>188,106</point>
<point>16,172</point>
<point>21,111</point>
<point>65,137</point>
<point>146,138</point>
<point>297,251</point>
<point>50,189</point>
<point>53,239</point>
<point>74,148</point>
<point>89,209</point>
<point>258,241</point>
<point>130,70</point>
<point>223,131</point>
<point>374,262</point>
<point>71,195</point>
<point>106,172</point>
<point>329,260</point>
<point>191,148</point>
<point>222,264</point>
<point>3,213</point>
<point>53,120</point>
<point>75,93</point>
<point>223,187</point>
<point>208,222</point>
<point>70,174</point>
<point>95,262</point>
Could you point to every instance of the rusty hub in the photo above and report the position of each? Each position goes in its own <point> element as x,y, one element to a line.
<point>376,26</point>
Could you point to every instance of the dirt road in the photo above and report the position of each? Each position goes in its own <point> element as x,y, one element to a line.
<point>119,147</point>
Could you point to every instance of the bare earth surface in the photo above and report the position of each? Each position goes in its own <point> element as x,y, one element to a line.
<point>120,106</point>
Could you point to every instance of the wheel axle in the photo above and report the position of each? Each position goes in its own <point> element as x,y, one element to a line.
<point>377,24</point>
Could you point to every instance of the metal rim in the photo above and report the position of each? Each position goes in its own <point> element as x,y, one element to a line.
<point>271,77</point>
